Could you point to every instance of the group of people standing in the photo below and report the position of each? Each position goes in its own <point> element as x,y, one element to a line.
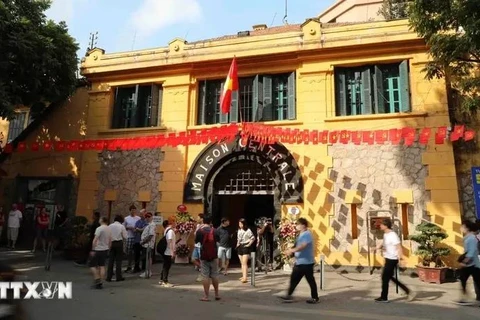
<point>133,236</point>
<point>42,224</point>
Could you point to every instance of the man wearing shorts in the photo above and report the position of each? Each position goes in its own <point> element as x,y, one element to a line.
<point>208,268</point>
<point>100,246</point>
<point>224,247</point>
<point>14,219</point>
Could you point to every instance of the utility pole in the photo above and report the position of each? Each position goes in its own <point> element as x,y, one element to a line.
<point>92,40</point>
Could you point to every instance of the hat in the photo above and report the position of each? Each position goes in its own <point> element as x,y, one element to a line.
<point>143,211</point>
<point>148,215</point>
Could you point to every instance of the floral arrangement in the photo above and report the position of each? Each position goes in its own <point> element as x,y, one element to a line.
<point>287,236</point>
<point>182,250</point>
<point>185,227</point>
<point>185,223</point>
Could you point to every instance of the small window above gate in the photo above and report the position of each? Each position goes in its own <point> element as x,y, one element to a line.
<point>244,177</point>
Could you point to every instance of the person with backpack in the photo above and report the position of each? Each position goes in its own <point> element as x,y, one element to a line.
<point>208,257</point>
<point>166,248</point>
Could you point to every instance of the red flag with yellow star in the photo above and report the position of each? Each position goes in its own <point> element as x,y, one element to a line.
<point>231,84</point>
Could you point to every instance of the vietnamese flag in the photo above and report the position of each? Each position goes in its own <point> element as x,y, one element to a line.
<point>425,135</point>
<point>469,135</point>
<point>231,84</point>
<point>357,137</point>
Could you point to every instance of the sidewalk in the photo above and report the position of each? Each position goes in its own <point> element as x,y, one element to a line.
<point>356,286</point>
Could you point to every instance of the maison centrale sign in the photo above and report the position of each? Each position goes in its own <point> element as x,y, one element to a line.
<point>275,157</point>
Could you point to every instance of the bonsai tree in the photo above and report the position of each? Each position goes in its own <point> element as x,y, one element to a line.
<point>77,235</point>
<point>428,237</point>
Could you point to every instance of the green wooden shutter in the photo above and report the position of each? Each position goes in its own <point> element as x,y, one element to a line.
<point>404,87</point>
<point>292,101</point>
<point>223,116</point>
<point>234,107</point>
<point>202,102</point>
<point>155,94</point>
<point>160,104</point>
<point>367,91</point>
<point>340,92</point>
<point>117,109</point>
<point>378,91</point>
<point>266,112</point>
<point>256,97</point>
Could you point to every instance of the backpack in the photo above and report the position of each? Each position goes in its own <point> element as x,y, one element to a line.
<point>162,244</point>
<point>208,251</point>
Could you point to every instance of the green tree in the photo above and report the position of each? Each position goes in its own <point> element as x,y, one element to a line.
<point>38,58</point>
<point>451,29</point>
<point>394,9</point>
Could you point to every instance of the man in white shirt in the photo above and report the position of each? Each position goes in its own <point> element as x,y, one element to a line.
<point>14,219</point>
<point>393,253</point>
<point>147,241</point>
<point>119,235</point>
<point>100,246</point>
<point>129,224</point>
<point>169,253</point>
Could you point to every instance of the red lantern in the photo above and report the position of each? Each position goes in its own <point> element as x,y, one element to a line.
<point>182,208</point>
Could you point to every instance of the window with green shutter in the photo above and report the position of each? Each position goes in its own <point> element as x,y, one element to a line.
<point>259,98</point>
<point>373,89</point>
<point>137,106</point>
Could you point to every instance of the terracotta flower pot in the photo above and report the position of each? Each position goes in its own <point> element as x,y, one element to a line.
<point>432,275</point>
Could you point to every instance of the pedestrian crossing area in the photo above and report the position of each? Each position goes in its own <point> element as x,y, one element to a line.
<point>299,312</point>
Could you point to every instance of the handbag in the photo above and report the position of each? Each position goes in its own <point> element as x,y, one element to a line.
<point>462,257</point>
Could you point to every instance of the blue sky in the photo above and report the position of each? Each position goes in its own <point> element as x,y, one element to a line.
<point>124,25</point>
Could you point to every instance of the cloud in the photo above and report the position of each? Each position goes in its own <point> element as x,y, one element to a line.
<point>154,15</point>
<point>63,10</point>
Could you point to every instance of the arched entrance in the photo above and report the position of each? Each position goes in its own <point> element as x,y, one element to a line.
<point>248,181</point>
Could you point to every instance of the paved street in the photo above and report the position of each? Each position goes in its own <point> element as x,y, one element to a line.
<point>143,299</point>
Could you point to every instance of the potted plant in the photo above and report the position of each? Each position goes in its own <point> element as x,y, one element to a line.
<point>77,237</point>
<point>429,236</point>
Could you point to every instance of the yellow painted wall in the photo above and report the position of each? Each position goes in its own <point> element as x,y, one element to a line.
<point>67,122</point>
<point>312,51</point>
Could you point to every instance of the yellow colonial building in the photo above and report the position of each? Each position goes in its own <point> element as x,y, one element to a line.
<point>317,76</point>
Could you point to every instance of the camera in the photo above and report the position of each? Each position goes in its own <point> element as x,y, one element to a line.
<point>260,222</point>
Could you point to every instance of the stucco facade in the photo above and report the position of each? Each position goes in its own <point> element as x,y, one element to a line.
<point>335,177</point>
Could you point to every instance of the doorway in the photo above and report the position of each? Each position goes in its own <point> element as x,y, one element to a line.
<point>251,207</point>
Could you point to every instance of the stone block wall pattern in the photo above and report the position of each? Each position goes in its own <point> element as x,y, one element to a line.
<point>127,172</point>
<point>466,195</point>
<point>376,171</point>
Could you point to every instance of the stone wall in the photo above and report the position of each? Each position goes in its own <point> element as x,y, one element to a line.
<point>467,200</point>
<point>376,171</point>
<point>128,172</point>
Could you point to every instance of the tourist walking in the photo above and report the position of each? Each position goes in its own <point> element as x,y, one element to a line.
<point>393,254</point>
<point>137,247</point>
<point>469,261</point>
<point>100,246</point>
<point>304,262</point>
<point>169,253</point>
<point>208,258</point>
<point>245,240</point>
<point>224,246</point>
<point>119,236</point>
<point>129,223</point>
<point>42,221</point>
<point>14,220</point>
<point>148,243</point>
